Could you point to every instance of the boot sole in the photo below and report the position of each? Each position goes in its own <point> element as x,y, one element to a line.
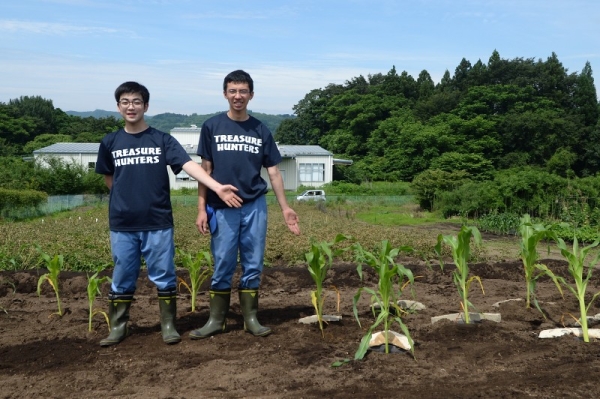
<point>105,344</point>
<point>260,335</point>
<point>197,337</point>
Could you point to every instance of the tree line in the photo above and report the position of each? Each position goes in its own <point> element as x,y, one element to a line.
<point>484,118</point>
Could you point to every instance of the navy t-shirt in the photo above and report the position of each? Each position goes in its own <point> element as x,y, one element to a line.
<point>140,195</point>
<point>238,151</point>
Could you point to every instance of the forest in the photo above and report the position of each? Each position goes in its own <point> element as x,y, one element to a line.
<point>483,118</point>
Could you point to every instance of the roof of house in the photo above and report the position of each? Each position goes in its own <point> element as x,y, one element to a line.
<point>69,148</point>
<point>188,129</point>
<point>287,151</point>
<point>296,150</point>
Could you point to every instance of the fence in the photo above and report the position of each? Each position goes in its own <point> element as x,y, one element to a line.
<point>55,203</point>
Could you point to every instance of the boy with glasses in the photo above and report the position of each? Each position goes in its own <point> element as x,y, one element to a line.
<point>134,163</point>
<point>234,146</point>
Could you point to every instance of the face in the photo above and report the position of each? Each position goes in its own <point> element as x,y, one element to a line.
<point>132,107</point>
<point>238,95</point>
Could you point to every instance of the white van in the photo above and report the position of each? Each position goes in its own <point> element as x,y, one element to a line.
<point>312,195</point>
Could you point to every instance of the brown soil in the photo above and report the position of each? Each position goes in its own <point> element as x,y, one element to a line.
<point>43,355</point>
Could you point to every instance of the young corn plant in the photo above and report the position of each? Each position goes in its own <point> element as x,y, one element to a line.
<point>200,267</point>
<point>531,234</point>
<point>14,288</point>
<point>54,265</point>
<point>581,275</point>
<point>93,289</point>
<point>461,254</point>
<point>393,278</point>
<point>320,259</point>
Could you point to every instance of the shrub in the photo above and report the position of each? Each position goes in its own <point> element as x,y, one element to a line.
<point>21,198</point>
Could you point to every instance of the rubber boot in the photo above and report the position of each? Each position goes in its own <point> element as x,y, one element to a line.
<point>249,305</point>
<point>118,316</point>
<point>219,306</point>
<point>167,302</point>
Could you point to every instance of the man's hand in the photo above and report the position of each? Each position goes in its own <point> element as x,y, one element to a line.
<point>292,220</point>
<point>202,222</point>
<point>227,193</point>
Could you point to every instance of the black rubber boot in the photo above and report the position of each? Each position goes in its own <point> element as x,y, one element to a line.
<point>167,302</point>
<point>249,305</point>
<point>118,316</point>
<point>219,306</point>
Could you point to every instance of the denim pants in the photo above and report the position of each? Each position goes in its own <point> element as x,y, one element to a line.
<point>157,248</point>
<point>244,231</point>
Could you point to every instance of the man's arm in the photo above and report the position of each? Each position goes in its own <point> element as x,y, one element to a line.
<point>291,218</point>
<point>202,219</point>
<point>225,191</point>
<point>108,180</point>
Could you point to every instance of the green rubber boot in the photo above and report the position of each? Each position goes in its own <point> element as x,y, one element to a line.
<point>219,306</point>
<point>249,305</point>
<point>118,316</point>
<point>167,302</point>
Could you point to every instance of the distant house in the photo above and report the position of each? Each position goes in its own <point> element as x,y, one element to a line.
<point>308,165</point>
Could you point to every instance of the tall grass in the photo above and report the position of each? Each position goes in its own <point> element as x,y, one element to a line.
<point>82,235</point>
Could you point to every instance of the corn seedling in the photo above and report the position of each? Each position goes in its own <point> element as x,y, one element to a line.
<point>577,269</point>
<point>14,288</point>
<point>320,259</point>
<point>531,234</point>
<point>199,267</point>
<point>93,289</point>
<point>461,254</point>
<point>54,265</point>
<point>391,275</point>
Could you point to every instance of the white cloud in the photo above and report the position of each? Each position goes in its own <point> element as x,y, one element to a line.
<point>47,28</point>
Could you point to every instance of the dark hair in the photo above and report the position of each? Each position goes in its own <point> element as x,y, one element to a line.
<point>239,76</point>
<point>132,87</point>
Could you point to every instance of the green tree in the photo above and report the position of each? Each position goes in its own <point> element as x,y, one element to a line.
<point>561,163</point>
<point>476,166</point>
<point>40,110</point>
<point>15,131</point>
<point>57,177</point>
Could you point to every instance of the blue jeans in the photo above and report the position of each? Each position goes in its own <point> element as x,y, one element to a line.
<point>244,231</point>
<point>157,248</point>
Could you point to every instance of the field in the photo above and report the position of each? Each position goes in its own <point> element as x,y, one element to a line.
<point>48,356</point>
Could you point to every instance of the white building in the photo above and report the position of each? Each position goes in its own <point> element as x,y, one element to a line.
<point>308,165</point>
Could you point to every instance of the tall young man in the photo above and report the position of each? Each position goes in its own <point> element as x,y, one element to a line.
<point>234,146</point>
<point>134,163</point>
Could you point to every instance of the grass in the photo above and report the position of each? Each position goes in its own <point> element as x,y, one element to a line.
<point>406,215</point>
<point>82,233</point>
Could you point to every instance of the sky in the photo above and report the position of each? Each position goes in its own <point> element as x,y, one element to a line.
<point>76,52</point>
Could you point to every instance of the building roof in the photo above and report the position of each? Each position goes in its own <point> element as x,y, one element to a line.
<point>189,129</point>
<point>287,151</point>
<point>291,151</point>
<point>69,148</point>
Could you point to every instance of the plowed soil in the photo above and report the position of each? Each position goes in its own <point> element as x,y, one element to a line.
<point>44,355</point>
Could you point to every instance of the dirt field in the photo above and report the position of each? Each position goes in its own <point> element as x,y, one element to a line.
<point>43,355</point>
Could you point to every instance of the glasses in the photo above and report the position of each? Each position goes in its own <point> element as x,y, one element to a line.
<point>242,92</point>
<point>125,103</point>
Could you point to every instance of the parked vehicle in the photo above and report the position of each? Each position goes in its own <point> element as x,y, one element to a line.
<point>312,195</point>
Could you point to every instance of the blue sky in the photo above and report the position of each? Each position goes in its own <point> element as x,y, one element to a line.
<point>76,52</point>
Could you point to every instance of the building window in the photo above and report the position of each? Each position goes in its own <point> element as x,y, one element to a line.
<point>312,172</point>
<point>91,165</point>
